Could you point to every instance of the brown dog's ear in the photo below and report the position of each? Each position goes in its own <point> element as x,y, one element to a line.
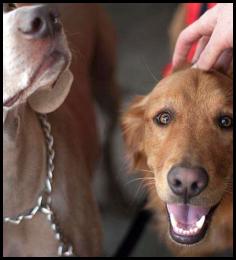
<point>132,123</point>
<point>48,99</point>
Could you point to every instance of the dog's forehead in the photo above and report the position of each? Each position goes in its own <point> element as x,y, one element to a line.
<point>194,82</point>
<point>191,89</point>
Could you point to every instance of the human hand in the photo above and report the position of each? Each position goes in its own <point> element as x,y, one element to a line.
<point>214,33</point>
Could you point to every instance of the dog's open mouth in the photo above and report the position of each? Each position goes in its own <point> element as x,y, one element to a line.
<point>188,223</point>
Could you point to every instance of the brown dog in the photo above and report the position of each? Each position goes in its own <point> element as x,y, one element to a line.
<point>180,137</point>
<point>36,79</point>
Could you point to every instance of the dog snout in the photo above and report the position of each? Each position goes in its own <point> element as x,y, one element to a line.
<point>187,182</point>
<point>40,22</point>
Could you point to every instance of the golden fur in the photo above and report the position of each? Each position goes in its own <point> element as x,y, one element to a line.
<point>197,98</point>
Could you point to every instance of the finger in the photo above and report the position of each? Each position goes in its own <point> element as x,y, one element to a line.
<point>224,61</point>
<point>211,52</point>
<point>200,47</point>
<point>204,26</point>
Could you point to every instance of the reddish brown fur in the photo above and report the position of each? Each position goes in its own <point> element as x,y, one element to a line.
<point>193,137</point>
<point>77,146</point>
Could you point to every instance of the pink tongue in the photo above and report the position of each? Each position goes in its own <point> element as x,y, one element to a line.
<point>187,214</point>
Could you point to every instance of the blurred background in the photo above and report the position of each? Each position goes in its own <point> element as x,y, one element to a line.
<point>143,52</point>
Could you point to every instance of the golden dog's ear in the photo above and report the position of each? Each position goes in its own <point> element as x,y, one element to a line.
<point>132,123</point>
<point>48,99</point>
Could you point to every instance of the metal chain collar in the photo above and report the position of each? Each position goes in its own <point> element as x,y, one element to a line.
<point>45,200</point>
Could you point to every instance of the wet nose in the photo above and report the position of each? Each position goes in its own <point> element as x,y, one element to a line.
<point>187,182</point>
<point>40,22</point>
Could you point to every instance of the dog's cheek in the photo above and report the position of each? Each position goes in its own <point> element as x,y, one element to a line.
<point>221,159</point>
<point>218,164</point>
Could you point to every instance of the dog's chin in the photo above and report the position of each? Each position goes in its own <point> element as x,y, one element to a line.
<point>44,76</point>
<point>188,224</point>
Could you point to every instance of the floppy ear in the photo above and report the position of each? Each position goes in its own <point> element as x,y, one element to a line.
<point>132,123</point>
<point>48,99</point>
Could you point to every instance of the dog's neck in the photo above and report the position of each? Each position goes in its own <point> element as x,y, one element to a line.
<point>24,160</point>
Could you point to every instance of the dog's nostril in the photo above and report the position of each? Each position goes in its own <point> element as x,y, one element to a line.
<point>177,183</point>
<point>33,27</point>
<point>41,23</point>
<point>195,187</point>
<point>36,25</point>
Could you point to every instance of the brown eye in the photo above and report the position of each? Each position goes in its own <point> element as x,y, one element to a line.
<point>163,118</point>
<point>225,122</point>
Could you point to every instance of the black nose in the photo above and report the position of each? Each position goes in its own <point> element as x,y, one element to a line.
<point>187,182</point>
<point>39,22</point>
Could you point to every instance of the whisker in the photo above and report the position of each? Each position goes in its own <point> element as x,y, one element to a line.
<point>149,183</point>
<point>148,69</point>
<point>140,190</point>
<point>77,52</point>
<point>145,170</point>
<point>138,179</point>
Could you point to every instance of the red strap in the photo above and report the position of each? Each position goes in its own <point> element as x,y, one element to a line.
<point>210,5</point>
<point>192,12</point>
<point>167,70</point>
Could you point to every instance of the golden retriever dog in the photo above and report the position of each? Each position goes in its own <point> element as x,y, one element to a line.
<point>180,137</point>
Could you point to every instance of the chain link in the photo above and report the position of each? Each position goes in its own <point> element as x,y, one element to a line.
<point>44,201</point>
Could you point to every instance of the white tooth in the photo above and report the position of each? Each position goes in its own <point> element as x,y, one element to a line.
<point>172,220</point>
<point>180,231</point>
<point>195,230</point>
<point>191,231</point>
<point>176,229</point>
<point>200,222</point>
